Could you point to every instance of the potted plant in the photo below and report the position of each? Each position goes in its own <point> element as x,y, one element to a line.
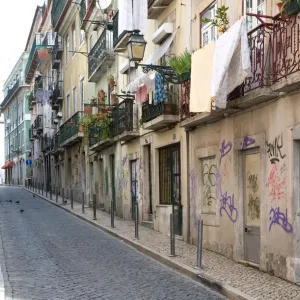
<point>181,64</point>
<point>102,105</point>
<point>221,20</point>
<point>88,109</point>
<point>111,80</point>
<point>101,94</point>
<point>289,7</point>
<point>93,101</point>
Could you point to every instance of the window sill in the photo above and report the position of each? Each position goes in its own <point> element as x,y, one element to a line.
<point>164,205</point>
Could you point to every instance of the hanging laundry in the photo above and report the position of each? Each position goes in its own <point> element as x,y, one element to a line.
<point>159,92</point>
<point>231,62</point>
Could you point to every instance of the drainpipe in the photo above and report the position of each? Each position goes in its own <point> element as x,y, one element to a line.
<point>187,132</point>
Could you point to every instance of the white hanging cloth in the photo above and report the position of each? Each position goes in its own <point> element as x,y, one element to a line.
<point>125,16</point>
<point>140,15</point>
<point>231,62</point>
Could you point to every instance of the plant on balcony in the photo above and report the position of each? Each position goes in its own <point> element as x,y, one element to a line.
<point>94,101</point>
<point>111,80</point>
<point>288,7</point>
<point>221,20</point>
<point>114,99</point>
<point>181,64</point>
<point>101,94</point>
<point>102,105</point>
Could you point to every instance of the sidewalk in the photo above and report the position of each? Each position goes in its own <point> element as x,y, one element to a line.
<point>231,279</point>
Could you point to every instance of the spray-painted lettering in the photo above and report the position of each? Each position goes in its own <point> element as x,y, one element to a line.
<point>225,149</point>
<point>124,160</point>
<point>276,184</point>
<point>281,219</point>
<point>227,205</point>
<point>274,149</point>
<point>247,142</point>
<point>209,182</point>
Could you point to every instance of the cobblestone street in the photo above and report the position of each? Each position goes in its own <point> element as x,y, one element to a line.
<point>48,254</point>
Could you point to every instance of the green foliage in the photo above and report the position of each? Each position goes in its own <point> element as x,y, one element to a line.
<point>182,63</point>
<point>221,21</point>
<point>110,78</point>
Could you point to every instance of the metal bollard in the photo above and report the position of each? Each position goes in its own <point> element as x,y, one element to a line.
<point>72,206</point>
<point>63,195</point>
<point>46,191</point>
<point>56,194</point>
<point>94,207</point>
<point>172,235</point>
<point>42,189</point>
<point>199,244</point>
<point>50,191</point>
<point>112,214</point>
<point>82,203</point>
<point>136,223</point>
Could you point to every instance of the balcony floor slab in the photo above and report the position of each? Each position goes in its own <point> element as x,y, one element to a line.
<point>76,138</point>
<point>126,136</point>
<point>161,122</point>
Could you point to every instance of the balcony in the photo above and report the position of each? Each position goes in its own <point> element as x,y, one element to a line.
<point>57,97</point>
<point>257,87</point>
<point>119,41</point>
<point>32,62</point>
<point>57,52</point>
<point>59,9</point>
<point>38,123</point>
<point>100,137</point>
<point>55,144</point>
<point>10,93</point>
<point>125,121</point>
<point>156,7</point>
<point>46,144</point>
<point>32,133</point>
<point>71,132</point>
<point>162,114</point>
<point>101,56</point>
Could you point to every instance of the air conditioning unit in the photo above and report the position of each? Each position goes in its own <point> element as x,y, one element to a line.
<point>59,115</point>
<point>162,33</point>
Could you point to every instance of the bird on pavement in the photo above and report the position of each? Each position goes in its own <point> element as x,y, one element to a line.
<point>21,210</point>
<point>33,195</point>
<point>9,200</point>
<point>17,202</point>
<point>65,202</point>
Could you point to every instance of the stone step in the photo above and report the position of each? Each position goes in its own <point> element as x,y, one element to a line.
<point>148,224</point>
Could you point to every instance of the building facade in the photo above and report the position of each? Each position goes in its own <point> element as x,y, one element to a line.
<point>139,137</point>
<point>16,124</point>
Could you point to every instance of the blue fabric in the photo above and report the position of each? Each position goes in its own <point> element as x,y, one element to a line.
<point>159,91</point>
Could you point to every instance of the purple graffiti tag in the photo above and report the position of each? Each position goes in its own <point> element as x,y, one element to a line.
<point>247,142</point>
<point>193,193</point>
<point>124,160</point>
<point>280,219</point>
<point>227,205</point>
<point>225,149</point>
<point>141,165</point>
<point>218,183</point>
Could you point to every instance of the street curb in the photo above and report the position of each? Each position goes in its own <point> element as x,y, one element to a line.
<point>223,289</point>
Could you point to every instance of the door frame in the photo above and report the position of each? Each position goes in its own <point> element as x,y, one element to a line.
<point>254,150</point>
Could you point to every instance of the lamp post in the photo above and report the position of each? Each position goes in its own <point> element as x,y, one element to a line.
<point>136,47</point>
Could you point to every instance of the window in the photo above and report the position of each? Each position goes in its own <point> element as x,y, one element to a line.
<point>67,48</point>
<point>82,94</point>
<point>74,100</point>
<point>82,35</point>
<point>68,106</point>
<point>22,138</point>
<point>169,175</point>
<point>208,32</point>
<point>254,7</point>
<point>74,38</point>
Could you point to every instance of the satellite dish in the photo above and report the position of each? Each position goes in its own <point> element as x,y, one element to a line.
<point>104,4</point>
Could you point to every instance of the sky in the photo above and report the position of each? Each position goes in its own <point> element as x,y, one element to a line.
<point>15,22</point>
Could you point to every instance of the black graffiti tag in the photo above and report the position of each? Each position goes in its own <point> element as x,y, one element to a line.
<point>209,181</point>
<point>274,149</point>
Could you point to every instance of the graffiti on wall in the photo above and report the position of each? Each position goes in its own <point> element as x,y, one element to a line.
<point>124,160</point>
<point>247,142</point>
<point>276,184</point>
<point>281,219</point>
<point>209,170</point>
<point>253,206</point>
<point>274,149</point>
<point>193,195</point>
<point>227,206</point>
<point>106,180</point>
<point>225,149</point>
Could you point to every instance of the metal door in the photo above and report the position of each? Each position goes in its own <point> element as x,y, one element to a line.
<point>133,180</point>
<point>252,206</point>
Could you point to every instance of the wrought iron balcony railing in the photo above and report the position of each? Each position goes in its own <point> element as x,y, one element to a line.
<point>38,123</point>
<point>115,28</point>
<point>58,92</point>
<point>10,93</point>
<point>57,52</point>
<point>103,47</point>
<point>100,133</point>
<point>57,10</point>
<point>123,117</point>
<point>46,144</point>
<point>49,39</point>
<point>30,57</point>
<point>31,133</point>
<point>163,107</point>
<point>55,142</point>
<point>71,127</point>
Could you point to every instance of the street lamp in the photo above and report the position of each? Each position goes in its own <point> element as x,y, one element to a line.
<point>136,46</point>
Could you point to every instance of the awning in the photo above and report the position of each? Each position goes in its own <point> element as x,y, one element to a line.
<point>10,164</point>
<point>4,167</point>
